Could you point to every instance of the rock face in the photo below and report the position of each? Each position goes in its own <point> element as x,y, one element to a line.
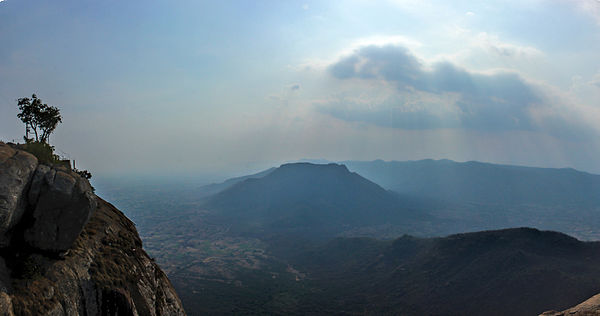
<point>63,203</point>
<point>64,251</point>
<point>106,272</point>
<point>51,204</point>
<point>16,169</point>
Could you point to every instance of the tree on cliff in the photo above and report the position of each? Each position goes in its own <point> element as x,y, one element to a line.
<point>39,118</point>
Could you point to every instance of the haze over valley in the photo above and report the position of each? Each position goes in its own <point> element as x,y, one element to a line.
<point>392,157</point>
<point>287,239</point>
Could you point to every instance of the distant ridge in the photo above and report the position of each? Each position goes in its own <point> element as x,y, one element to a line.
<point>218,187</point>
<point>483,182</point>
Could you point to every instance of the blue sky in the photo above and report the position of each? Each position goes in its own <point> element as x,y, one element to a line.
<point>234,86</point>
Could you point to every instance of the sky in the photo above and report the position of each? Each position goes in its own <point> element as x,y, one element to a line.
<point>226,87</point>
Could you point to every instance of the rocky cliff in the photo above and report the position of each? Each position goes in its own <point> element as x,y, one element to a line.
<point>64,251</point>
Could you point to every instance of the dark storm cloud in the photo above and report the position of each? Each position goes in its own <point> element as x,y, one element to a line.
<point>500,101</point>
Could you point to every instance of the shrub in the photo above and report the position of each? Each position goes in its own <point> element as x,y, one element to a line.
<point>42,151</point>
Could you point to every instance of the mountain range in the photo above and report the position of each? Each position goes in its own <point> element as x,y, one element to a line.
<point>479,182</point>
<point>287,240</point>
<point>450,197</point>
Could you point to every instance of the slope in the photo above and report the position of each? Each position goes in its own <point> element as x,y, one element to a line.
<point>309,198</point>
<point>507,272</point>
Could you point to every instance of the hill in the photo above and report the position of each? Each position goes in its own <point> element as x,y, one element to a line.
<point>309,198</point>
<point>589,307</point>
<point>518,271</point>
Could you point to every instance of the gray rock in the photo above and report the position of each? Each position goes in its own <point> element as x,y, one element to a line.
<point>63,183</point>
<point>64,202</point>
<point>88,282</point>
<point>16,170</point>
<point>42,175</point>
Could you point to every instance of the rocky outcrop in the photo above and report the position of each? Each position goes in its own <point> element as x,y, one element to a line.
<point>587,308</point>
<point>50,204</point>
<point>64,251</point>
<point>16,169</point>
<point>106,272</point>
<point>63,202</point>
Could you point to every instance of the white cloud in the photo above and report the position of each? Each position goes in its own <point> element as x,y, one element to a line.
<point>414,6</point>
<point>486,51</point>
<point>321,64</point>
<point>589,7</point>
<point>581,98</point>
<point>596,80</point>
<point>444,95</point>
<point>383,40</point>
<point>493,44</point>
<point>496,101</point>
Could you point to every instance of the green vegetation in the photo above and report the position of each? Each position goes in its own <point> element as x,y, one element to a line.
<point>39,118</point>
<point>40,121</point>
<point>44,152</point>
<point>467,274</point>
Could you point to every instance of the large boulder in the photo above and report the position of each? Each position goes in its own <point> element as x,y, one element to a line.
<point>16,169</point>
<point>62,202</point>
<point>106,272</point>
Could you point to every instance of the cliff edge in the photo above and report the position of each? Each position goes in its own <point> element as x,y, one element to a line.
<point>64,251</point>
